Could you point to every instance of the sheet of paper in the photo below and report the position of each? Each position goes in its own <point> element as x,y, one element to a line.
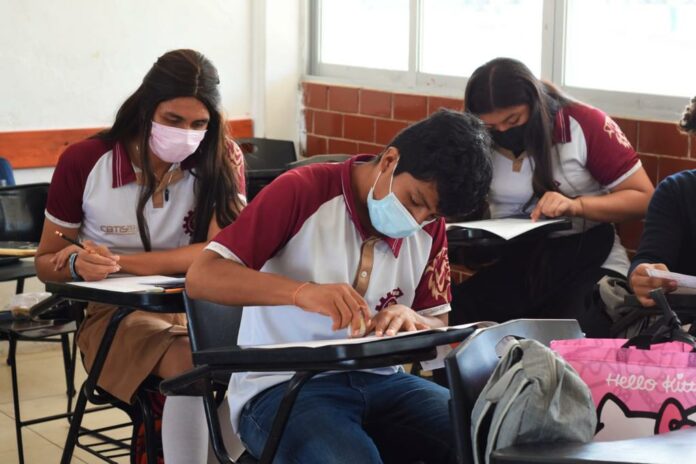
<point>131,284</point>
<point>353,341</point>
<point>682,280</point>
<point>506,228</point>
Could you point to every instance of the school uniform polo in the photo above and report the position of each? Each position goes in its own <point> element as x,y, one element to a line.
<point>591,155</point>
<point>95,189</point>
<point>304,226</point>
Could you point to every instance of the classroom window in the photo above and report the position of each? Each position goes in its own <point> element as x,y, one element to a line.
<point>641,46</point>
<point>630,57</point>
<point>509,28</point>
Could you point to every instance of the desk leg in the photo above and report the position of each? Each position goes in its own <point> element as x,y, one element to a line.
<point>211,414</point>
<point>20,286</point>
<point>12,361</point>
<point>91,383</point>
<point>281,419</point>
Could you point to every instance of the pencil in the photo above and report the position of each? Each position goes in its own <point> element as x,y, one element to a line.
<point>68,239</point>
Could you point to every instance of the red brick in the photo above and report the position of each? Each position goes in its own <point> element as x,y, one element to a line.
<point>650,165</point>
<point>370,148</point>
<point>376,103</point>
<point>629,128</point>
<point>692,145</point>
<point>309,120</point>
<point>435,103</point>
<point>315,95</point>
<point>630,233</point>
<point>668,166</point>
<point>344,99</point>
<point>662,138</point>
<point>410,107</point>
<point>359,128</point>
<point>342,147</point>
<point>316,146</point>
<point>386,130</point>
<point>330,124</point>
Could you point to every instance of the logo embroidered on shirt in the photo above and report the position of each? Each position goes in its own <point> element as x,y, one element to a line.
<point>438,274</point>
<point>390,299</point>
<point>613,129</point>
<point>188,223</point>
<point>119,230</point>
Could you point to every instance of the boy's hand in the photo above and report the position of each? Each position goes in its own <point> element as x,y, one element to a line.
<point>340,302</point>
<point>642,283</point>
<point>396,318</point>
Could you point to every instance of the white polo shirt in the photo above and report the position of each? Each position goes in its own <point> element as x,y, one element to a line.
<point>593,156</point>
<point>304,226</point>
<point>95,189</point>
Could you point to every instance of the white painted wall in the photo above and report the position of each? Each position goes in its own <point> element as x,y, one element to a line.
<point>71,63</point>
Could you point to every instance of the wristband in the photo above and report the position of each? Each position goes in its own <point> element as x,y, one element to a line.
<point>297,290</point>
<point>71,265</point>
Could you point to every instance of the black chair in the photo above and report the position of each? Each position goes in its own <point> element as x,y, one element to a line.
<point>213,331</point>
<point>265,160</point>
<point>471,364</point>
<point>21,221</point>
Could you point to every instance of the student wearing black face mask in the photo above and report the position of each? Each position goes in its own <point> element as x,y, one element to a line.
<point>553,157</point>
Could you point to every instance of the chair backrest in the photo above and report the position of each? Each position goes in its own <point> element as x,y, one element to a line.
<point>471,364</point>
<point>22,212</point>
<point>6,173</point>
<point>265,160</point>
<point>211,325</point>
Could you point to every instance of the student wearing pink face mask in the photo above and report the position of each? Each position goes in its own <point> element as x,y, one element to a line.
<point>144,197</point>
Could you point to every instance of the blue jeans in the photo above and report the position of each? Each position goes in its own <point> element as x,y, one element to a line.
<point>355,417</point>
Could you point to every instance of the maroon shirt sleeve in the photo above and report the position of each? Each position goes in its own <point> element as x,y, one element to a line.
<point>434,287</point>
<point>70,177</point>
<point>277,213</point>
<point>609,153</point>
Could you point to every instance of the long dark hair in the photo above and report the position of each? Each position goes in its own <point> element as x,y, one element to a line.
<point>182,73</point>
<point>504,82</point>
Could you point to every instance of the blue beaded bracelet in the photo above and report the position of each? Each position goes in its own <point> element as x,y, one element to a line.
<point>71,265</point>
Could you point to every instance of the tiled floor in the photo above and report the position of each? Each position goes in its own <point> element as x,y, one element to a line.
<point>42,393</point>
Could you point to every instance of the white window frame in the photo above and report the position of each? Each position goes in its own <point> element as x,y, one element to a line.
<point>621,104</point>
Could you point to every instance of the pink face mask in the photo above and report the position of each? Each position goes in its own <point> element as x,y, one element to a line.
<point>172,144</point>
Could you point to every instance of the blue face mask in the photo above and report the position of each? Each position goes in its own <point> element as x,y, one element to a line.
<point>389,216</point>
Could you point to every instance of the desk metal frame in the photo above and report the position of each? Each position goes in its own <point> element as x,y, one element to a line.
<point>126,303</point>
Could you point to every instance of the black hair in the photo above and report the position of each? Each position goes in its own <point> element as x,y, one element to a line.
<point>182,73</point>
<point>452,149</point>
<point>688,120</point>
<point>505,82</point>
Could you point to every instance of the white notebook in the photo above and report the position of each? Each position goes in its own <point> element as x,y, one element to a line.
<point>132,284</point>
<point>506,228</point>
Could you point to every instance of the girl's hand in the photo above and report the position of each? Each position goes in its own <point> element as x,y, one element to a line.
<point>95,262</point>
<point>394,319</point>
<point>642,283</point>
<point>554,204</point>
<point>60,259</point>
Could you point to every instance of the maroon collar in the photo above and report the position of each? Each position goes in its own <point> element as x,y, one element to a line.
<point>561,127</point>
<point>122,171</point>
<point>347,187</point>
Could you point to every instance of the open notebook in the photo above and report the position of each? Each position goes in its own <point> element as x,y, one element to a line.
<point>508,228</point>
<point>366,339</point>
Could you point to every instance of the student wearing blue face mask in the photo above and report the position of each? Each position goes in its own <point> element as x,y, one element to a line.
<point>329,247</point>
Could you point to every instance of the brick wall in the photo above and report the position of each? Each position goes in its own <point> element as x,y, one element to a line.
<point>341,119</point>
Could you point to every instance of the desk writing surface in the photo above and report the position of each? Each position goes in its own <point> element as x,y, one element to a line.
<point>148,301</point>
<point>14,248</point>
<point>235,356</point>
<point>19,270</point>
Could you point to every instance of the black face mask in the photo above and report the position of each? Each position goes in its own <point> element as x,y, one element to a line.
<point>513,139</point>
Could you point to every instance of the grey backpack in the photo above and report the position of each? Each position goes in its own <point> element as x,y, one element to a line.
<point>532,396</point>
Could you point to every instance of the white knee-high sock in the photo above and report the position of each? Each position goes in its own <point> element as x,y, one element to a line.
<point>184,431</point>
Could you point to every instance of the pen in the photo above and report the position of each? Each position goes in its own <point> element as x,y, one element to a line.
<point>68,239</point>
